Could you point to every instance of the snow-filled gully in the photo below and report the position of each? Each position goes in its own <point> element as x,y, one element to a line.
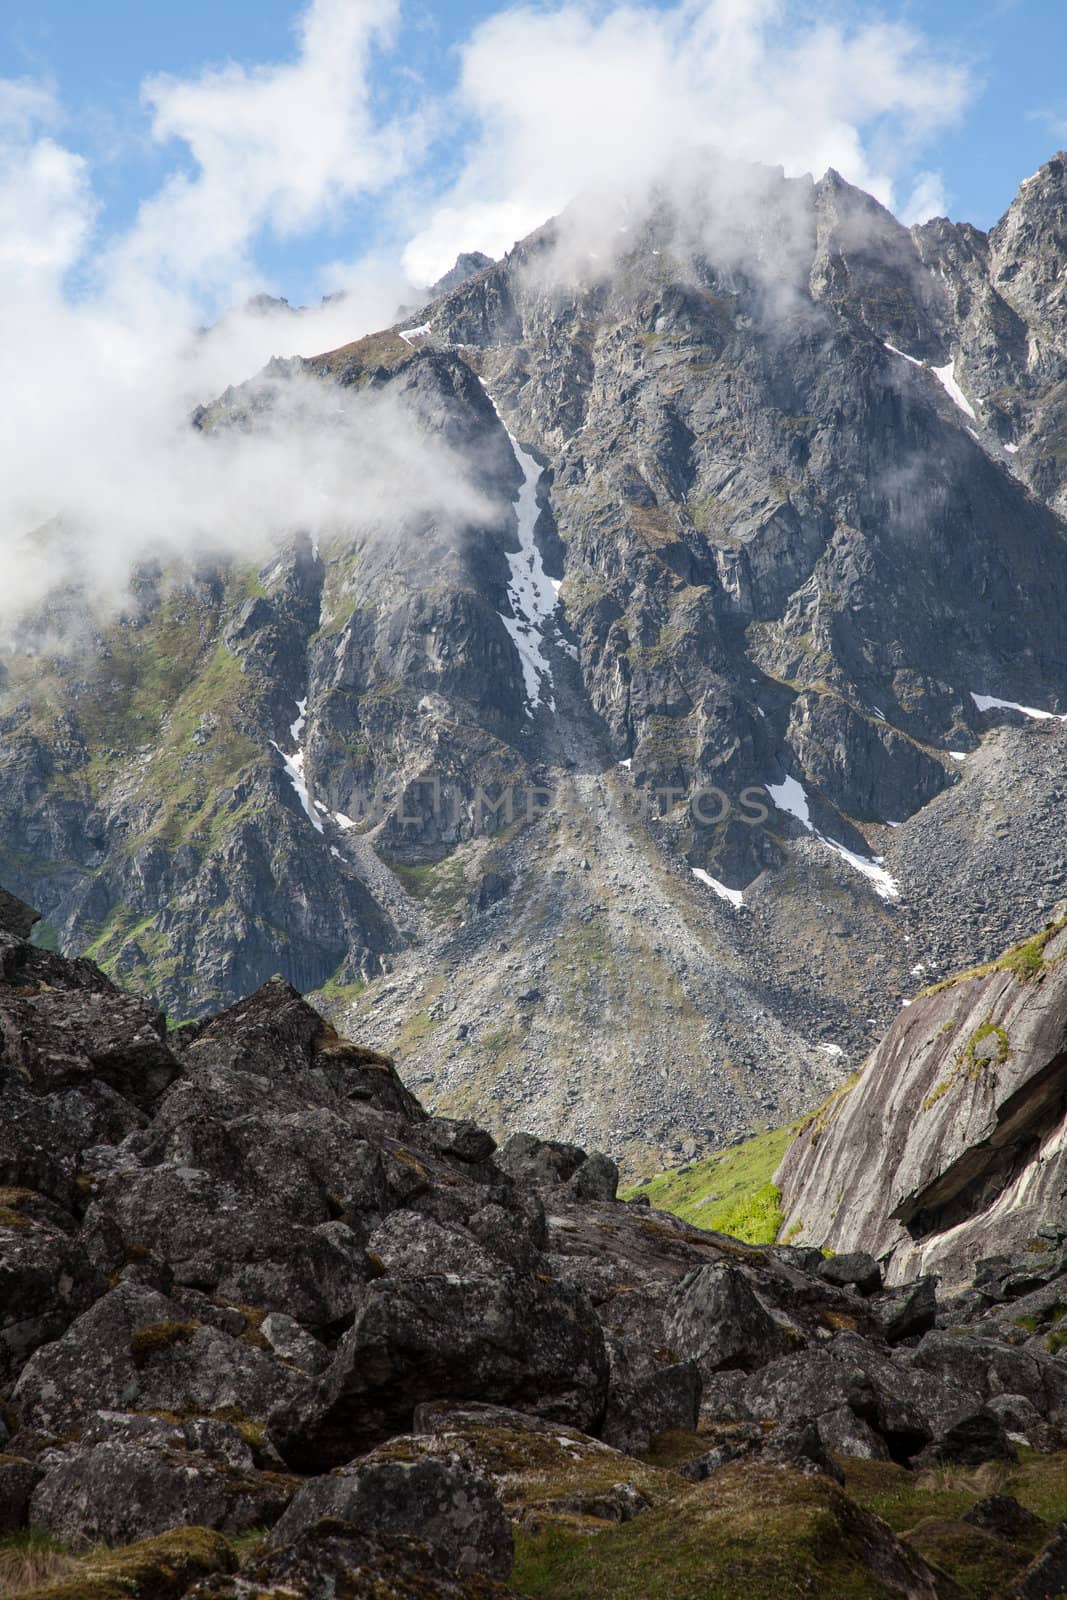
<point>533,595</point>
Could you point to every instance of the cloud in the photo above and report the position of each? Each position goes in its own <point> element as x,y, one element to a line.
<point>283,147</point>
<point>576,98</point>
<point>103,344</point>
<point>927,199</point>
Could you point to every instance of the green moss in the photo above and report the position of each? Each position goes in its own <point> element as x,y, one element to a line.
<point>981,1564</point>
<point>158,1336</point>
<point>155,1569</point>
<point>752,1532</point>
<point>732,1192</point>
<point>903,1498</point>
<point>1026,961</point>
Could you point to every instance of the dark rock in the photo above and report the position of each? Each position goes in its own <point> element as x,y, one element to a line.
<point>539,1161</point>
<point>805,1449</point>
<point>46,1280</point>
<point>16,917</point>
<point>905,1312</point>
<point>436,1499</point>
<point>596,1179</point>
<point>136,1350</point>
<point>852,1270</point>
<point>536,1346</point>
<point>666,1399</point>
<point>113,1493</point>
<point>716,1320</point>
<point>464,1140</point>
<point>1046,1577</point>
<point>333,1558</point>
<point>979,1436</point>
<point>1003,1515</point>
<point>17,1481</point>
<point>411,1245</point>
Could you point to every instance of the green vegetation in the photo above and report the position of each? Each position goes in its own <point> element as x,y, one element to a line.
<point>441,885</point>
<point>29,1558</point>
<point>45,937</point>
<point>154,1569</point>
<point>763,1534</point>
<point>732,1192</point>
<point>969,1063</point>
<point>158,1336</point>
<point>1026,961</point>
<point>775,1535</point>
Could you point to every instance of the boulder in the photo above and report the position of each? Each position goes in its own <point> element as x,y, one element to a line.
<point>596,1179</point>
<point>456,1512</point>
<point>905,1312</point>
<point>1003,1515</point>
<point>975,1437</point>
<point>408,1244</point>
<point>16,917</point>
<point>665,1399</point>
<point>17,1481</point>
<point>853,1269</point>
<point>335,1559</point>
<point>544,1162</point>
<point>113,1493</point>
<point>46,1279</point>
<point>137,1350</point>
<point>507,1340</point>
<point>716,1319</point>
<point>1046,1577</point>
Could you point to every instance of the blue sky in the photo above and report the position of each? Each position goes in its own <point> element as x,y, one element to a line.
<point>96,56</point>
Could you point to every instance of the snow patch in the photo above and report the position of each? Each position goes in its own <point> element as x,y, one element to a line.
<point>1012,449</point>
<point>294,765</point>
<point>628,763</point>
<point>534,596</point>
<point>409,335</point>
<point>734,896</point>
<point>958,755</point>
<point>946,376</point>
<point>832,1049</point>
<point>913,359</point>
<point>789,796</point>
<point>988,702</point>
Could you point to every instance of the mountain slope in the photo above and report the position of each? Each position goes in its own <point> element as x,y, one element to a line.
<point>611,866</point>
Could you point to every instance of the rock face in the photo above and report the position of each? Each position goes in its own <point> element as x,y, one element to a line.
<point>952,1146</point>
<point>798,473</point>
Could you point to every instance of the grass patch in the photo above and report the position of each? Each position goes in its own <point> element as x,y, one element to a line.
<point>732,1192</point>
<point>30,1558</point>
<point>154,1569</point>
<point>1026,961</point>
<point>758,1533</point>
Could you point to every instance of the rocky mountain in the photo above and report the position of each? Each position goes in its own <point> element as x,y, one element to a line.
<point>629,808</point>
<point>268,1328</point>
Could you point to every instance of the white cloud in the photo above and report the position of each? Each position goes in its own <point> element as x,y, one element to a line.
<point>577,98</point>
<point>107,373</point>
<point>927,199</point>
<point>281,147</point>
<point>573,99</point>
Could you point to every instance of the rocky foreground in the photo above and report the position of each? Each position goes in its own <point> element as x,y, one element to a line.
<point>269,1329</point>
